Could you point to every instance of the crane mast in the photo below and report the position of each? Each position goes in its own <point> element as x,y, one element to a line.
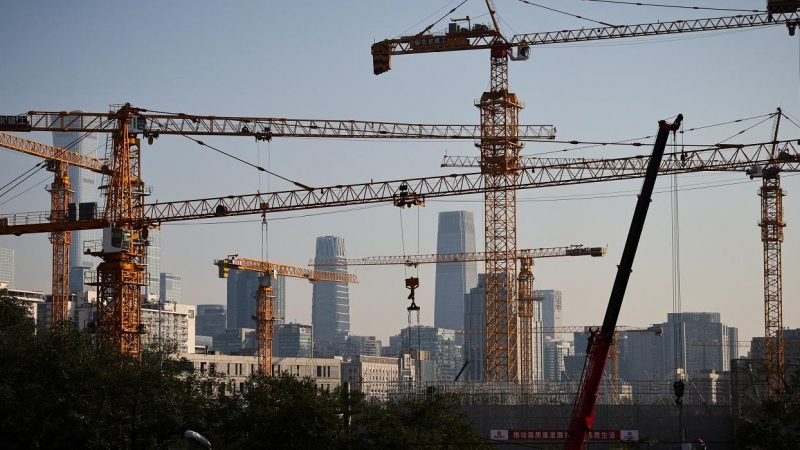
<point>772,225</point>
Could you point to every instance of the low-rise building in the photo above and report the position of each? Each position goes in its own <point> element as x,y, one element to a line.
<point>33,300</point>
<point>326,372</point>
<point>375,376</point>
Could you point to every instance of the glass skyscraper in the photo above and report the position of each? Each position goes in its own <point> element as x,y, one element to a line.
<point>85,186</point>
<point>330,302</point>
<point>170,288</point>
<point>152,291</point>
<point>7,266</point>
<point>456,234</point>
<point>242,288</point>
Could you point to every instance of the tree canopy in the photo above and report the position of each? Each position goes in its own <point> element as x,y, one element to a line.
<point>63,390</point>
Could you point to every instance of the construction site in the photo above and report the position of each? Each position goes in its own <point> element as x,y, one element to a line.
<point>248,174</point>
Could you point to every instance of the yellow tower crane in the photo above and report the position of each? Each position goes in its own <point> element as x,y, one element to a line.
<point>526,298</point>
<point>398,192</point>
<point>500,146</point>
<point>121,274</point>
<point>265,298</point>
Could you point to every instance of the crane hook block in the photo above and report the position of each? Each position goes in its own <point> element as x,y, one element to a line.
<point>412,283</point>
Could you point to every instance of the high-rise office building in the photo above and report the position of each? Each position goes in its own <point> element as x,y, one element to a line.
<point>456,234</point>
<point>7,267</point>
<point>211,320</point>
<point>242,288</point>
<point>551,312</point>
<point>292,340</point>
<point>440,343</point>
<point>475,331</point>
<point>152,291</point>
<point>170,288</point>
<point>696,341</point>
<point>330,302</point>
<point>85,191</point>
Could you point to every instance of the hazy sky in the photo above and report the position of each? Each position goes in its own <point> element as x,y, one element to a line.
<point>311,60</point>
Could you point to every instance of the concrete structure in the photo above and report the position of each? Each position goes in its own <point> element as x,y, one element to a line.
<point>85,190</point>
<point>170,287</point>
<point>553,361</point>
<point>440,343</point>
<point>152,292</point>
<point>361,345</point>
<point>330,302</point>
<point>456,234</point>
<point>242,288</point>
<point>372,375</point>
<point>292,340</point>
<point>81,310</point>
<point>211,320</point>
<point>7,267</point>
<point>326,372</point>
<point>169,322</point>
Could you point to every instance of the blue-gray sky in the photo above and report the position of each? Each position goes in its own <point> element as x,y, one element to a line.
<point>311,59</point>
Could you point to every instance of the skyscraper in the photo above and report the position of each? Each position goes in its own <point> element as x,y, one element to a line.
<point>551,312</point>
<point>242,288</point>
<point>170,288</point>
<point>211,320</point>
<point>456,234</point>
<point>7,266</point>
<point>696,341</point>
<point>330,302</point>
<point>152,291</point>
<point>84,185</point>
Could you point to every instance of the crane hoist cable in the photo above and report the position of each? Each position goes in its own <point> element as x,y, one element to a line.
<point>566,13</point>
<point>261,169</point>
<point>25,176</point>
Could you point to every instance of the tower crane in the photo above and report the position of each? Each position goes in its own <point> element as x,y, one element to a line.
<point>121,275</point>
<point>771,225</point>
<point>526,297</point>
<point>265,298</point>
<point>58,161</point>
<point>500,146</point>
<point>737,157</point>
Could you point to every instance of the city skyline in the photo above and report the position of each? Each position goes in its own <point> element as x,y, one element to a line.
<point>600,92</point>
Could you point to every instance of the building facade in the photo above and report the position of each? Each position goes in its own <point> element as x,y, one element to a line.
<point>170,287</point>
<point>441,344</point>
<point>456,234</point>
<point>696,341</point>
<point>85,191</point>
<point>475,331</point>
<point>211,319</point>
<point>172,322</point>
<point>242,288</point>
<point>236,341</point>
<point>152,291</point>
<point>373,375</point>
<point>7,267</point>
<point>551,312</point>
<point>33,300</point>
<point>292,340</point>
<point>330,302</point>
<point>361,345</point>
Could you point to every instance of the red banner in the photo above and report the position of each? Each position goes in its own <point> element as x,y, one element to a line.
<point>553,435</point>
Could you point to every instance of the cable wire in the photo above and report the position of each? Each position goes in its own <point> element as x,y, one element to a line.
<point>658,5</point>
<point>32,171</point>
<point>566,13</point>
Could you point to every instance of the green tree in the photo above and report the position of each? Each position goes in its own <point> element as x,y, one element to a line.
<point>776,422</point>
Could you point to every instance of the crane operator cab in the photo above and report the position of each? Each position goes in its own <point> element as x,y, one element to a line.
<point>782,6</point>
<point>116,240</point>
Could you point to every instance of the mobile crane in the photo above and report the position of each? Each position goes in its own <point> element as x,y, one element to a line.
<point>601,339</point>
